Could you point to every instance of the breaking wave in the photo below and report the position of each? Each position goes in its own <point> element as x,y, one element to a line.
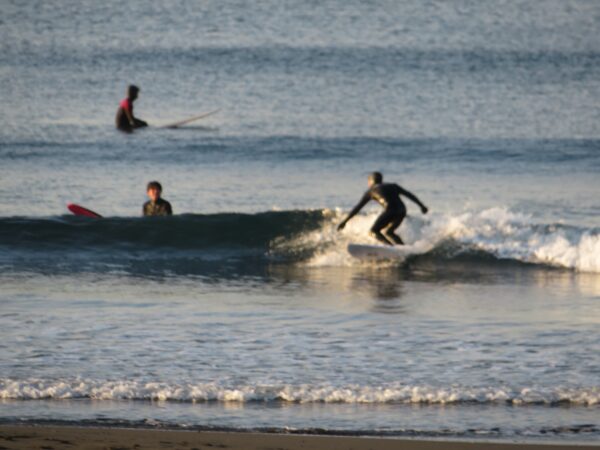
<point>37,389</point>
<point>306,237</point>
<point>495,233</point>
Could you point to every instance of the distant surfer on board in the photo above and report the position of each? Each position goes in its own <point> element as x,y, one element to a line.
<point>388,196</point>
<point>125,120</point>
<point>156,206</point>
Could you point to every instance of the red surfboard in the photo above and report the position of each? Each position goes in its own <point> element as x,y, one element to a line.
<point>81,211</point>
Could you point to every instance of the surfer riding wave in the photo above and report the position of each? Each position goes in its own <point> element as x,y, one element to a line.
<point>388,196</point>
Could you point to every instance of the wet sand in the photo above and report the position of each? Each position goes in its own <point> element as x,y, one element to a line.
<point>62,438</point>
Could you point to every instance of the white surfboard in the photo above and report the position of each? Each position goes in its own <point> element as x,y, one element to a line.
<point>386,252</point>
<point>189,120</point>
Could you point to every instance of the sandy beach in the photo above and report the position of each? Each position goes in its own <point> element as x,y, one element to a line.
<point>59,438</point>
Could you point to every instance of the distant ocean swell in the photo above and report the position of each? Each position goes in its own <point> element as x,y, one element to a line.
<point>503,155</point>
<point>364,60</point>
<point>37,389</point>
<point>295,237</point>
<point>183,232</point>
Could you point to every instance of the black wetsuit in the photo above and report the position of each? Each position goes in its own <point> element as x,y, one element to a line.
<point>122,120</point>
<point>388,196</point>
<point>159,208</point>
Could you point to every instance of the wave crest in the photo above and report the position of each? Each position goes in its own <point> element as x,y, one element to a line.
<point>496,232</point>
<point>37,389</point>
<point>306,237</point>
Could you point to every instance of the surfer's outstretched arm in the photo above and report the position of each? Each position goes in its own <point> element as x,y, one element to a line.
<point>355,210</point>
<point>414,198</point>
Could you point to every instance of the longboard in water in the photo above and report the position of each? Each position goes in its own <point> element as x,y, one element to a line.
<point>191,119</point>
<point>381,252</point>
<point>81,211</point>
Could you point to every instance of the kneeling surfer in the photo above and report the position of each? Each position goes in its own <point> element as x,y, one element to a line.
<point>388,196</point>
<point>156,206</point>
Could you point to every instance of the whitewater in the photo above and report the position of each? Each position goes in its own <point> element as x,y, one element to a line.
<point>212,392</point>
<point>305,238</point>
<point>495,232</point>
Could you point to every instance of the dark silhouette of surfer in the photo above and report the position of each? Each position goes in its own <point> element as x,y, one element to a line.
<point>388,196</point>
<point>156,206</point>
<point>125,120</point>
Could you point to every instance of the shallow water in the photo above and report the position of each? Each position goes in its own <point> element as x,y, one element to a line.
<point>245,310</point>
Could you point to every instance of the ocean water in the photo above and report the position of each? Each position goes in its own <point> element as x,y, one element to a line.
<point>244,310</point>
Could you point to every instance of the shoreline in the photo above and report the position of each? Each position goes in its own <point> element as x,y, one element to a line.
<point>30,437</point>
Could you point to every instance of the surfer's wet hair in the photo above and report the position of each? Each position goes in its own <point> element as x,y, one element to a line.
<point>154,185</point>
<point>132,90</point>
<point>376,177</point>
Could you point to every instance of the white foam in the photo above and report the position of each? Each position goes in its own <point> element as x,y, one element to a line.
<point>497,231</point>
<point>35,389</point>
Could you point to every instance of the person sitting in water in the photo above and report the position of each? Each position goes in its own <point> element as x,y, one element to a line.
<point>125,120</point>
<point>156,206</point>
<point>388,196</point>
